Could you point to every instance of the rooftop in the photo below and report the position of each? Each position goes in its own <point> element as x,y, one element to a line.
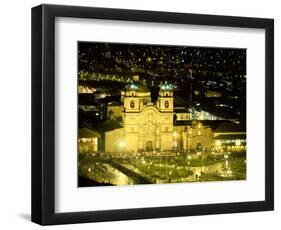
<point>87,133</point>
<point>230,127</point>
<point>86,99</point>
<point>166,86</point>
<point>136,86</point>
<point>231,137</point>
<point>109,125</point>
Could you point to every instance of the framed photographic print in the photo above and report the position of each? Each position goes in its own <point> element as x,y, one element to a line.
<point>142,114</point>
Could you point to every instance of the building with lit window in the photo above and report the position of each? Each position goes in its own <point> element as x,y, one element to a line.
<point>114,110</point>
<point>85,89</point>
<point>87,140</point>
<point>230,137</point>
<point>197,136</point>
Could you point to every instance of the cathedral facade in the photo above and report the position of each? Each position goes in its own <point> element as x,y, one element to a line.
<point>148,125</point>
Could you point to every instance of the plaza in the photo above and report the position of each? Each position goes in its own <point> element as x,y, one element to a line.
<point>166,167</point>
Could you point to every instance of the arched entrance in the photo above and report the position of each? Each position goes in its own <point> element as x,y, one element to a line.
<point>149,145</point>
<point>199,147</point>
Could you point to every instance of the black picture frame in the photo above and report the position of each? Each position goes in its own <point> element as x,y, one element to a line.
<point>43,114</point>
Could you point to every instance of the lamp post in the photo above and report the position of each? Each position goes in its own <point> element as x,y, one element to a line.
<point>166,166</point>
<point>228,171</point>
<point>188,162</point>
<point>199,154</point>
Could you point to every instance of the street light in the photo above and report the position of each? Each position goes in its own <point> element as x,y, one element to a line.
<point>188,162</point>
<point>227,169</point>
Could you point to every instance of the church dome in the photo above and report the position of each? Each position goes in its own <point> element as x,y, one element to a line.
<point>166,86</point>
<point>136,90</point>
<point>166,90</point>
<point>138,87</point>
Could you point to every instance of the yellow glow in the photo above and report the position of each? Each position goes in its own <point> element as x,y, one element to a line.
<point>218,143</point>
<point>122,144</point>
<point>237,142</point>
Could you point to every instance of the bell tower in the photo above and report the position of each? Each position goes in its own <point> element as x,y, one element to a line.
<point>131,99</point>
<point>165,101</point>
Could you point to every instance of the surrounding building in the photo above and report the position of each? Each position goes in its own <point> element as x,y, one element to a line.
<point>87,140</point>
<point>85,89</point>
<point>230,137</point>
<point>183,114</point>
<point>204,115</point>
<point>114,110</point>
<point>197,136</point>
<point>90,108</point>
<point>212,93</point>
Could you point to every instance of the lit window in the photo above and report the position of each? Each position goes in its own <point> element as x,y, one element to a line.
<point>166,104</point>
<point>132,104</point>
<point>238,142</point>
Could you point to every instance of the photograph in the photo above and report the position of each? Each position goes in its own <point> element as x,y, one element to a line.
<point>157,114</point>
